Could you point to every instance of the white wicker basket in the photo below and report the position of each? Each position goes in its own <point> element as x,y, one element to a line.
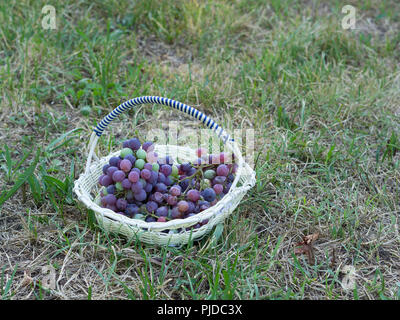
<point>160,233</point>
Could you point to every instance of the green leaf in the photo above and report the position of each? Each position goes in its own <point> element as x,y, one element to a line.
<point>8,285</point>
<point>26,154</point>
<point>8,160</point>
<point>36,188</point>
<point>53,145</point>
<point>54,182</point>
<point>20,180</point>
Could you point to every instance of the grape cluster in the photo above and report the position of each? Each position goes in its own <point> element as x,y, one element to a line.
<point>139,185</point>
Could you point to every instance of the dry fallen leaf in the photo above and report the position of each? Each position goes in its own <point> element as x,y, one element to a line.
<point>27,280</point>
<point>310,238</point>
<point>305,247</point>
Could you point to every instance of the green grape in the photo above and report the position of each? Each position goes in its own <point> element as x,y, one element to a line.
<point>156,167</point>
<point>141,154</point>
<point>139,216</point>
<point>118,186</point>
<point>205,183</point>
<point>139,164</point>
<point>174,172</point>
<point>125,152</point>
<point>209,174</point>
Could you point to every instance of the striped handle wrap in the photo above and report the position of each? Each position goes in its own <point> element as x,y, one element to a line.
<point>163,101</point>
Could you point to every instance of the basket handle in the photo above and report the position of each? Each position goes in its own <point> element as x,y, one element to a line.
<point>98,131</point>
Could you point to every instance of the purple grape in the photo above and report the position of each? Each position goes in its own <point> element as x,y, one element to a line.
<point>185,167</point>
<point>111,170</point>
<point>183,206</point>
<point>145,174</point>
<point>143,182</point>
<point>126,184</point>
<point>218,188</point>
<point>175,190</point>
<point>131,158</point>
<point>184,184</point>
<point>125,165</point>
<point>219,180</point>
<point>103,201</point>
<point>161,177</point>
<point>161,187</point>
<point>106,181</point>
<point>151,206</point>
<point>118,176</point>
<point>137,187</point>
<point>131,210</point>
<point>162,212</point>
<point>166,169</point>
<point>146,145</point>
<point>114,161</point>
<point>111,189</point>
<point>227,187</point>
<point>175,213</point>
<point>110,199</point>
<point>125,144</point>
<point>101,178</point>
<point>222,170</point>
<point>148,166</point>
<point>153,178</point>
<point>141,195</point>
<point>209,194</point>
<point>172,200</point>
<point>148,188</point>
<point>191,171</point>
<point>231,177</point>
<point>136,170</point>
<point>134,144</point>
<point>158,197</point>
<point>121,204</point>
<point>193,195</point>
<point>133,176</point>
<point>191,207</point>
<point>105,167</point>
<point>168,181</point>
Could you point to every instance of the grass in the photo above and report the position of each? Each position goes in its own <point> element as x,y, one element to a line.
<point>323,103</point>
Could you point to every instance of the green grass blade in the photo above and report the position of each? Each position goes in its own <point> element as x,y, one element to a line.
<point>8,161</point>
<point>24,157</point>
<point>23,177</point>
<point>53,145</point>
